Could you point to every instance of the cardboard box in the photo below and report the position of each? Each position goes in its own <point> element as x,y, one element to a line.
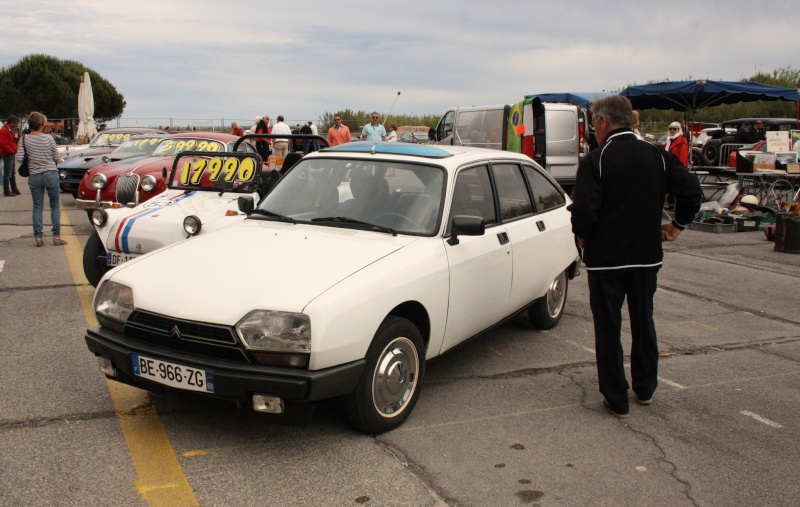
<point>793,168</point>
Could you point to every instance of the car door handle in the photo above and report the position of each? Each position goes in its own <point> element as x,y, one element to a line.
<point>502,237</point>
<point>540,225</point>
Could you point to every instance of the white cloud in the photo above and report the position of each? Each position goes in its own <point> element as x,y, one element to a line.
<point>213,59</point>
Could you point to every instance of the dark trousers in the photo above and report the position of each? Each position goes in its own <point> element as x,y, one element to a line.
<point>607,291</point>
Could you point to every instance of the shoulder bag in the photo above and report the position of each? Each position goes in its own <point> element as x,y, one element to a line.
<point>23,167</point>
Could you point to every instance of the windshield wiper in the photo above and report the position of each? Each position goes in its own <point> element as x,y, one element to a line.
<point>267,213</point>
<point>347,220</point>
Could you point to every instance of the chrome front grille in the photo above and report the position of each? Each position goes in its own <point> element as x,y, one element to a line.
<point>127,185</point>
<point>197,338</point>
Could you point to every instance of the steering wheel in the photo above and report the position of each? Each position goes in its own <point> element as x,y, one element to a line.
<point>392,217</point>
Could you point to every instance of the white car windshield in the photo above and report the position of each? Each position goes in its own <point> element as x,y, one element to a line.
<point>400,197</point>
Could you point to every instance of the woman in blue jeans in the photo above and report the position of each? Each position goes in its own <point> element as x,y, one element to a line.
<point>43,159</point>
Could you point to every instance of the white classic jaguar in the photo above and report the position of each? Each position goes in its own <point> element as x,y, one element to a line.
<point>363,262</point>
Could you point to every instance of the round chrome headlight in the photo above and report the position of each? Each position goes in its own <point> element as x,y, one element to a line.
<point>99,217</point>
<point>62,174</point>
<point>99,181</point>
<point>105,159</point>
<point>192,225</point>
<point>149,183</point>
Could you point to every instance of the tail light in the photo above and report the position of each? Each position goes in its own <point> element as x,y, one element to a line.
<point>581,137</point>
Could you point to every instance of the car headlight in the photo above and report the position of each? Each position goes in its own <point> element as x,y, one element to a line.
<point>192,225</point>
<point>113,304</point>
<point>99,217</point>
<point>99,181</point>
<point>271,331</point>
<point>105,159</point>
<point>149,183</point>
<point>62,174</point>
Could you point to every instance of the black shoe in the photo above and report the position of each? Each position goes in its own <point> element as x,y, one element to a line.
<point>618,415</point>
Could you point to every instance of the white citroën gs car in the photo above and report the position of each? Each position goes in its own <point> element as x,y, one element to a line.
<point>382,256</point>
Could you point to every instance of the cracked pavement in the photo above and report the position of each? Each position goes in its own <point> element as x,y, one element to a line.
<point>511,418</point>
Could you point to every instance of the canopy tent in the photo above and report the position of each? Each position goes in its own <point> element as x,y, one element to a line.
<point>688,96</point>
<point>582,99</point>
<point>86,126</point>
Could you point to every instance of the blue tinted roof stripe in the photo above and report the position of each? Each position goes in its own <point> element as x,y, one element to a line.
<point>386,148</point>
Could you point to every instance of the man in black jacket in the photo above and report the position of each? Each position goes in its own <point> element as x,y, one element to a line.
<point>616,217</point>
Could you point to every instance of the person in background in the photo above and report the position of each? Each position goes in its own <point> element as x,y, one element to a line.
<point>280,146</point>
<point>338,133</point>
<point>373,131</point>
<point>636,124</point>
<point>677,144</point>
<point>314,131</point>
<point>236,129</point>
<point>8,150</point>
<point>392,137</point>
<point>263,146</point>
<point>743,134</point>
<point>616,218</point>
<point>759,132</point>
<point>306,129</point>
<point>43,158</point>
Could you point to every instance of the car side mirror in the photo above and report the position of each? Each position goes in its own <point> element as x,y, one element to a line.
<point>466,225</point>
<point>246,204</point>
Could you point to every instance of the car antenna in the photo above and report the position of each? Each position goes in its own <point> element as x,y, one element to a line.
<point>372,151</point>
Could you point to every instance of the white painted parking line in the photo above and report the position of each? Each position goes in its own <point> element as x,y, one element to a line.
<point>761,419</point>
<point>671,383</point>
<point>2,263</point>
<point>587,349</point>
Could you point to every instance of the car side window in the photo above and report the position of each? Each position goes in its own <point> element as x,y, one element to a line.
<point>546,195</point>
<point>511,192</point>
<point>472,195</point>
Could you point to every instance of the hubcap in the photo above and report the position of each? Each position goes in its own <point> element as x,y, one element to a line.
<point>395,377</point>
<point>555,295</point>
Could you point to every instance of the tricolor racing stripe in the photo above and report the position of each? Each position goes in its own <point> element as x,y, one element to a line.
<point>125,226</point>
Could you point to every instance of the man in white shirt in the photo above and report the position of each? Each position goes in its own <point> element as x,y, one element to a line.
<point>373,131</point>
<point>280,145</point>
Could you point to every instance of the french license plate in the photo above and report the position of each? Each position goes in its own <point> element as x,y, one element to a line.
<point>115,259</point>
<point>173,375</point>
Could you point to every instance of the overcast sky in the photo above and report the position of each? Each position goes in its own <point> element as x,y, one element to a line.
<point>237,59</point>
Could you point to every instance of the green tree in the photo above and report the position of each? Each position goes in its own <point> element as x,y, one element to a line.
<point>47,84</point>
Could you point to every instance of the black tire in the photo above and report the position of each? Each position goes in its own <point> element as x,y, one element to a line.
<point>391,382</point>
<point>548,309</point>
<point>697,159</point>
<point>94,259</point>
<point>711,152</point>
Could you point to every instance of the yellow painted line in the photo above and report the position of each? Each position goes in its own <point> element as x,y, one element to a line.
<point>161,479</point>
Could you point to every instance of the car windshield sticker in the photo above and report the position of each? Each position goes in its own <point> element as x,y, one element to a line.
<point>112,139</point>
<point>217,173</point>
<point>143,142</point>
<point>173,146</point>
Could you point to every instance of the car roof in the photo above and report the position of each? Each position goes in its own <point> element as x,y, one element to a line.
<point>133,130</point>
<point>443,152</point>
<point>767,121</point>
<point>216,136</point>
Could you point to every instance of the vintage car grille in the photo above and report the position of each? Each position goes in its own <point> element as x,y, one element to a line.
<point>205,340</point>
<point>75,174</point>
<point>127,184</point>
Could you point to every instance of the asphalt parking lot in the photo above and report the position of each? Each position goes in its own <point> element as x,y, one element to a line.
<point>511,418</point>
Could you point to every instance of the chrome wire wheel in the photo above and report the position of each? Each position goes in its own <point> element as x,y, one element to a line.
<point>395,377</point>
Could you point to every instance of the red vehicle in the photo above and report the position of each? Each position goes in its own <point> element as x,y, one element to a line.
<point>760,146</point>
<point>128,184</point>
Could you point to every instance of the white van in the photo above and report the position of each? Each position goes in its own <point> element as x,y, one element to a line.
<point>552,134</point>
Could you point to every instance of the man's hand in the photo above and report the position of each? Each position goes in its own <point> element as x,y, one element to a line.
<point>669,232</point>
